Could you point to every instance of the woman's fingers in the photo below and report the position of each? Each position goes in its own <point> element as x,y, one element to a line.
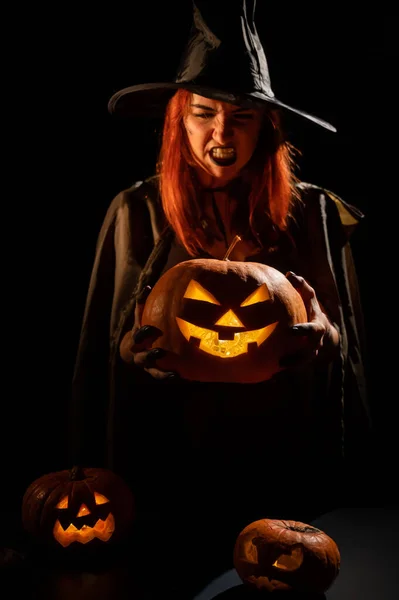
<point>147,360</point>
<point>138,340</point>
<point>315,326</point>
<point>167,376</point>
<point>140,303</point>
<point>313,331</point>
<point>136,346</point>
<point>144,337</point>
<point>306,291</point>
<point>297,280</point>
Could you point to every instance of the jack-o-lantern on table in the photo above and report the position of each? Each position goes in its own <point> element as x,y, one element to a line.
<point>282,555</point>
<point>224,320</point>
<point>78,511</point>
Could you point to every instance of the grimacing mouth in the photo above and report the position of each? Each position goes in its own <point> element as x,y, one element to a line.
<point>211,343</point>
<point>223,155</point>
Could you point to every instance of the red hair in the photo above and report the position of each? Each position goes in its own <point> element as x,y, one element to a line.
<point>270,172</point>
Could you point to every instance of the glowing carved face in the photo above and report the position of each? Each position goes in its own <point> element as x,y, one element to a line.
<point>85,526</point>
<point>275,555</point>
<point>209,311</point>
<point>229,338</point>
<point>274,570</point>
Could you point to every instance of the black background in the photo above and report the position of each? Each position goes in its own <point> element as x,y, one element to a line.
<point>65,158</point>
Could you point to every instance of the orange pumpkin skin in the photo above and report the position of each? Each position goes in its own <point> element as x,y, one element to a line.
<point>95,504</point>
<point>276,555</point>
<point>173,306</point>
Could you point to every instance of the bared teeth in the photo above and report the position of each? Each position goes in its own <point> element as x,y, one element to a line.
<point>223,152</point>
<point>223,156</point>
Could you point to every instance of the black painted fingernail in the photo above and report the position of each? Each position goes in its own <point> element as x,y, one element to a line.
<point>156,353</point>
<point>297,330</point>
<point>142,333</point>
<point>172,377</point>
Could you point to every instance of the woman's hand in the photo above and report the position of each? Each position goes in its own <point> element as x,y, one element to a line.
<point>136,346</point>
<point>322,338</point>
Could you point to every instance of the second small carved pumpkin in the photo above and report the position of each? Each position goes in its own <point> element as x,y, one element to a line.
<point>76,508</point>
<point>224,320</point>
<point>274,555</point>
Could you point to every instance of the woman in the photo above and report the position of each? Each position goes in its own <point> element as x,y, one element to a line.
<point>225,169</point>
<point>238,175</point>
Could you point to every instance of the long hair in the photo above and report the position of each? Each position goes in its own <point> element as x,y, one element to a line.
<point>270,172</point>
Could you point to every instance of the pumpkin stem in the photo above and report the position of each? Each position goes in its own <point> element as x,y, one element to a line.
<point>230,249</point>
<point>76,473</point>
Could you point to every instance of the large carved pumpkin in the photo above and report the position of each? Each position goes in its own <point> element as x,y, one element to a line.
<point>78,508</point>
<point>224,320</point>
<point>274,555</point>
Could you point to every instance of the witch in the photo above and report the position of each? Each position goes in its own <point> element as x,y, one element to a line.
<point>226,168</point>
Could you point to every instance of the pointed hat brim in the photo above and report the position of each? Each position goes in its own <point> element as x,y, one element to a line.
<point>150,100</point>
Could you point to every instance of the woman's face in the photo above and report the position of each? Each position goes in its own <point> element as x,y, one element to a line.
<point>222,138</point>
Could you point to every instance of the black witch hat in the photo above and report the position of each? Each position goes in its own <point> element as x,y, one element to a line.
<point>223,59</point>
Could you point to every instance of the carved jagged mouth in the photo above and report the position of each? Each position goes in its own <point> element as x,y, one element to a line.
<point>211,343</point>
<point>101,530</point>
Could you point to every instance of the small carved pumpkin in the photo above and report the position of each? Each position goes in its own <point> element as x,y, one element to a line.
<point>224,320</point>
<point>274,555</point>
<point>81,506</point>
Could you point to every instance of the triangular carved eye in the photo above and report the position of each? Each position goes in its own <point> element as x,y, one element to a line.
<point>195,291</point>
<point>290,562</point>
<point>100,499</point>
<point>63,503</point>
<point>261,294</point>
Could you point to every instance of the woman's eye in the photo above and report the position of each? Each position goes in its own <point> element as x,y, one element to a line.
<point>238,117</point>
<point>203,115</point>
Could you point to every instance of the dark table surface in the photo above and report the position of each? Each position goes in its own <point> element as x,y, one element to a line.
<point>368,543</point>
<point>367,539</point>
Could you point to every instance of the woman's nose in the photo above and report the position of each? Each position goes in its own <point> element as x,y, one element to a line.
<point>223,130</point>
